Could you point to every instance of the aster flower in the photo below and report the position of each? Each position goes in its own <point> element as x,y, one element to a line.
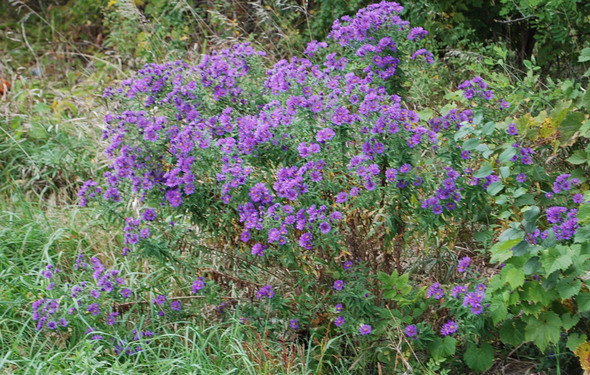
<point>338,307</point>
<point>411,331</point>
<point>176,305</point>
<point>126,293</point>
<point>339,321</point>
<point>159,300</point>
<point>265,291</point>
<point>198,285</point>
<point>365,329</point>
<point>449,328</point>
<point>463,264</point>
<point>338,284</point>
<point>94,309</point>
<point>294,324</point>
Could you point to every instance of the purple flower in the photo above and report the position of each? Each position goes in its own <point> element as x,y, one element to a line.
<point>449,328</point>
<point>176,305</point>
<point>365,329</point>
<point>338,307</point>
<point>63,322</point>
<point>265,291</point>
<point>339,321</point>
<point>463,264</point>
<point>411,331</point>
<point>578,198</point>
<point>325,227</point>
<point>521,177</point>
<point>159,300</point>
<point>341,197</point>
<point>51,325</point>
<point>112,318</point>
<point>338,284</point>
<point>347,265</point>
<point>435,291</point>
<point>512,129</point>
<point>294,324</point>
<point>126,293</point>
<point>94,309</point>
<point>198,285</point>
<point>405,168</point>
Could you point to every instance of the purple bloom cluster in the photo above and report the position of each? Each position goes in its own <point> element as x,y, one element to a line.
<point>449,328</point>
<point>435,291</point>
<point>265,291</point>
<point>463,264</point>
<point>447,195</point>
<point>476,87</point>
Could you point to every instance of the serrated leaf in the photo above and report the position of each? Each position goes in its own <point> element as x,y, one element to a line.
<point>498,311</point>
<point>513,276</point>
<point>568,288</point>
<point>479,358</point>
<point>583,301</point>
<point>569,321</point>
<point>552,264</point>
<point>544,330</point>
<point>512,332</point>
<point>501,250</point>
<point>532,265</point>
<point>574,340</point>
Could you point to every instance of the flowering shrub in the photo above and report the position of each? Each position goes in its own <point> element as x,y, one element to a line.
<point>315,171</point>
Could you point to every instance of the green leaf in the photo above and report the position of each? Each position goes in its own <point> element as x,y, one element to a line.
<point>543,330</point>
<point>583,300</point>
<point>504,172</point>
<point>501,250</point>
<point>512,332</point>
<point>578,157</point>
<point>498,311</point>
<point>570,125</point>
<point>568,287</point>
<point>513,276</point>
<point>507,155</point>
<point>531,214</point>
<point>532,265</point>
<point>442,348</point>
<point>479,358</point>
<point>574,340</point>
<point>569,321</point>
<point>484,171</point>
<point>553,263</point>
<point>584,55</point>
<point>470,144</point>
<point>495,188</point>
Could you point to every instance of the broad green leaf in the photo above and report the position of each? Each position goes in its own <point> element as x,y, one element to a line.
<point>574,340</point>
<point>532,265</point>
<point>578,157</point>
<point>498,311</point>
<point>504,172</point>
<point>512,332</point>
<point>583,300</point>
<point>507,155</point>
<point>442,348</point>
<point>479,358</point>
<point>553,264</point>
<point>495,188</point>
<point>501,250</point>
<point>470,144</point>
<point>568,287</point>
<point>568,321</point>
<point>584,55</point>
<point>531,214</point>
<point>513,276</point>
<point>484,171</point>
<point>543,330</point>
